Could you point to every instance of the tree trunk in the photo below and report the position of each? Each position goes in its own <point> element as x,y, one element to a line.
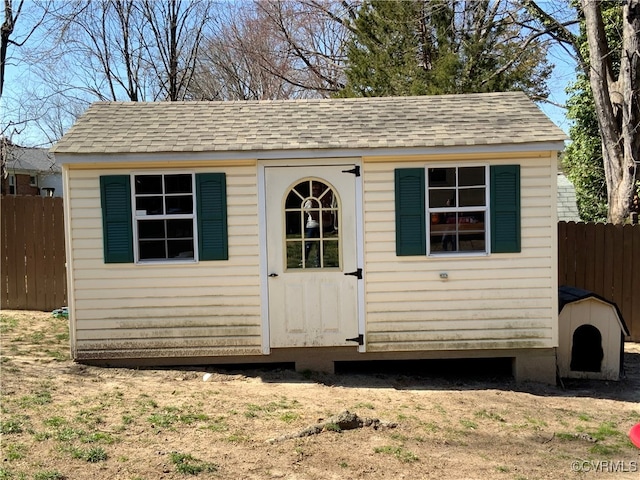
<point>616,103</point>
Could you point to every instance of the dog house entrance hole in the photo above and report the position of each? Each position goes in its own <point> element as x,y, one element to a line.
<point>586,349</point>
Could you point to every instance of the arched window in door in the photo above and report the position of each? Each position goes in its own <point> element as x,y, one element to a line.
<point>312,215</point>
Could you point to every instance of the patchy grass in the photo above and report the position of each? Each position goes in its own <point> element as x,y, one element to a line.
<point>187,464</point>
<point>7,324</point>
<point>91,455</point>
<point>400,453</point>
<point>61,420</point>
<point>484,414</point>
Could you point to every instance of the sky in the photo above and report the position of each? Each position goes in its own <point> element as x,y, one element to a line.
<point>18,79</point>
<point>564,73</point>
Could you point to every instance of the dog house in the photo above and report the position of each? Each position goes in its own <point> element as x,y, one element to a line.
<point>591,335</point>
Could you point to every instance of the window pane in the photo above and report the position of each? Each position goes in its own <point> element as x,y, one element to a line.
<point>471,176</point>
<point>312,253</point>
<point>294,223</point>
<point>472,242</point>
<point>151,229</point>
<point>330,253</point>
<point>471,221</point>
<point>294,254</point>
<point>303,189</point>
<point>149,205</point>
<point>443,242</point>
<point>180,249</point>
<point>152,250</point>
<point>147,184</point>
<point>472,232</point>
<point>180,228</point>
<point>294,199</point>
<point>178,183</point>
<point>442,198</point>
<point>320,190</point>
<point>182,204</point>
<point>472,197</point>
<point>442,177</point>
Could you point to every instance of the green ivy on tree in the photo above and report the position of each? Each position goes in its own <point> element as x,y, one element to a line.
<point>582,160</point>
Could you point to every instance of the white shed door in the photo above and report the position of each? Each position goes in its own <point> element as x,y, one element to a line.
<point>311,255</point>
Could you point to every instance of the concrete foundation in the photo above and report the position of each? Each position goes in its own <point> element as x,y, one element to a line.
<point>535,366</point>
<point>529,365</point>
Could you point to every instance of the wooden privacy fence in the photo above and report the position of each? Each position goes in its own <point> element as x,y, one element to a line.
<point>33,253</point>
<point>604,259</point>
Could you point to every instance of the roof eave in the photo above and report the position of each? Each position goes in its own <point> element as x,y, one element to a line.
<point>70,157</point>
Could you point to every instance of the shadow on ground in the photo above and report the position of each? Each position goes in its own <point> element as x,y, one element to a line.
<point>460,374</point>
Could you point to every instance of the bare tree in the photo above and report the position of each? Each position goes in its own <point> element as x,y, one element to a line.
<point>174,31</point>
<point>313,34</point>
<point>231,63</point>
<point>103,40</point>
<point>274,49</point>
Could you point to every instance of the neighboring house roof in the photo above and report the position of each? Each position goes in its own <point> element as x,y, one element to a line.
<point>567,203</point>
<point>31,160</point>
<point>568,294</point>
<point>320,124</point>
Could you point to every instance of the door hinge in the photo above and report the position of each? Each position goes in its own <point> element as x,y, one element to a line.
<point>357,273</point>
<point>359,339</point>
<point>355,170</point>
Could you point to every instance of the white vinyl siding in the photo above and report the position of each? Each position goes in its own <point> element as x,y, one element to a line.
<point>488,302</point>
<point>164,310</point>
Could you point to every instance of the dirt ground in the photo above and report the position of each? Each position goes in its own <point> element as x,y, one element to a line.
<point>62,420</point>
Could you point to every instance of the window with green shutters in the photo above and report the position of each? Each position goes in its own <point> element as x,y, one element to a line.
<point>449,210</point>
<point>164,217</point>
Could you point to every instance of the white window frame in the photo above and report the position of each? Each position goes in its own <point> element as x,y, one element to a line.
<point>458,209</point>
<point>138,215</point>
<point>33,180</point>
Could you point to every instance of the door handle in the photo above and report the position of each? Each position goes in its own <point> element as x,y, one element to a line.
<point>273,274</point>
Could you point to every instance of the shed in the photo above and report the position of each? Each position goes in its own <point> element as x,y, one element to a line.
<point>592,333</point>
<point>313,231</point>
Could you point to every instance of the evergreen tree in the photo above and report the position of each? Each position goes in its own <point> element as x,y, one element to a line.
<point>419,47</point>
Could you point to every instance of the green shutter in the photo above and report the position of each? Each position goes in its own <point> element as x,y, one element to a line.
<point>505,208</point>
<point>115,195</point>
<point>410,212</point>
<point>211,197</point>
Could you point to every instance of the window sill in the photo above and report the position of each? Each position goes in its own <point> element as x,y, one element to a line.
<point>181,261</point>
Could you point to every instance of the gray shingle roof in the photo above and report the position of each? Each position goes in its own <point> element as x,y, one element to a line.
<point>567,203</point>
<point>362,123</point>
<point>31,159</point>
